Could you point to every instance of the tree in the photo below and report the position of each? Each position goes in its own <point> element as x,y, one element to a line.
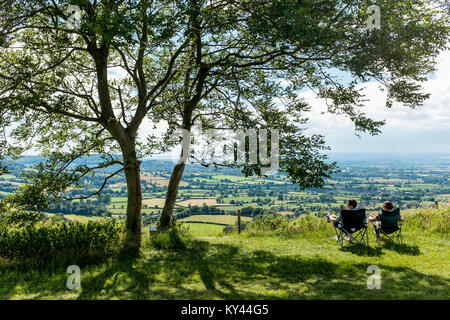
<point>85,87</point>
<point>56,84</point>
<point>235,62</point>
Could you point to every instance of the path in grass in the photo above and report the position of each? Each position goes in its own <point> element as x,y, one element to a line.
<point>284,266</point>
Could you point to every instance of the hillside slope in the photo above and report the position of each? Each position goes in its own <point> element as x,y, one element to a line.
<point>303,264</point>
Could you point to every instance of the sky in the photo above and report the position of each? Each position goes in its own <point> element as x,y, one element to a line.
<point>421,130</point>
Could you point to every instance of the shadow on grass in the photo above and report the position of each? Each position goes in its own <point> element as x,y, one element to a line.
<point>203,270</point>
<point>400,248</point>
<point>375,249</point>
<point>363,251</point>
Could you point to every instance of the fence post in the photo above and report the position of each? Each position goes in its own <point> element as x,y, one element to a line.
<point>239,221</point>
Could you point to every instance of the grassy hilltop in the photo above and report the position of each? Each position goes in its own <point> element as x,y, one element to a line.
<point>296,260</point>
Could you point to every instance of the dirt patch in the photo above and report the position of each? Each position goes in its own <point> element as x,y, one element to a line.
<point>160,181</point>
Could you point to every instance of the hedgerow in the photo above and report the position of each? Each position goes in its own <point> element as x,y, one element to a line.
<point>25,237</point>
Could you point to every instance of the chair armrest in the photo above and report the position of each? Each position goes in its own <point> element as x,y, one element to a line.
<point>366,220</point>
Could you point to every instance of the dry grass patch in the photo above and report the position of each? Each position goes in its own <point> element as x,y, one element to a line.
<point>199,202</point>
<point>285,213</point>
<point>154,202</point>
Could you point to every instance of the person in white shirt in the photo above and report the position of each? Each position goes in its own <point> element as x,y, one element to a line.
<point>351,204</point>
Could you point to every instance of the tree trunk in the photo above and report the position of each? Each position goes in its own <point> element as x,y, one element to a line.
<point>133,177</point>
<point>171,197</point>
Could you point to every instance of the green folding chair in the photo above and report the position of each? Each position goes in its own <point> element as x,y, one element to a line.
<point>391,226</point>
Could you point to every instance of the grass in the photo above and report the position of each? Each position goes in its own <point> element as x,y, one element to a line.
<point>204,229</point>
<point>273,265</point>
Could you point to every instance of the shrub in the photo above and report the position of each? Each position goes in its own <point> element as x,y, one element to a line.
<point>268,223</point>
<point>173,238</point>
<point>305,223</point>
<point>309,223</point>
<point>48,241</point>
<point>429,220</point>
<point>234,228</point>
<point>229,229</point>
<point>19,217</point>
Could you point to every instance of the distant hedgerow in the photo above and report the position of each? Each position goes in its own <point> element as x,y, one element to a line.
<point>430,220</point>
<point>304,223</point>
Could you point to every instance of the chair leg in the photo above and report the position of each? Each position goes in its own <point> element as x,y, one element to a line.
<point>367,238</point>
<point>339,236</point>
<point>341,240</point>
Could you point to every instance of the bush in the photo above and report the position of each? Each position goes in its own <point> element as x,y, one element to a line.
<point>173,238</point>
<point>19,217</point>
<point>43,242</point>
<point>268,223</point>
<point>429,220</point>
<point>229,229</point>
<point>305,223</point>
<point>309,223</point>
<point>425,219</point>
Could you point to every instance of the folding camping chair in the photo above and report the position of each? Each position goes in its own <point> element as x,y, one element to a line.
<point>390,226</point>
<point>353,224</point>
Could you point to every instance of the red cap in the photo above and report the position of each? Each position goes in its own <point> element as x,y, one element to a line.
<point>389,205</point>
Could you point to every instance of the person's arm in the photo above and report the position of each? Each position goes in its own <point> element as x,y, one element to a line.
<point>376,218</point>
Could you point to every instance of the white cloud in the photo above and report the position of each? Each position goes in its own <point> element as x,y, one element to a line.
<point>424,129</point>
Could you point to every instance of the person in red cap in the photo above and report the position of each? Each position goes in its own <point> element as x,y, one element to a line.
<point>387,206</point>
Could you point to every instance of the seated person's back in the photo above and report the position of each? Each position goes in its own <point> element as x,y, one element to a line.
<point>388,207</point>
<point>351,205</point>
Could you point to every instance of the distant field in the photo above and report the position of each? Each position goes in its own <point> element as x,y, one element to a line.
<point>154,202</point>
<point>160,181</point>
<point>77,218</point>
<point>236,208</point>
<point>7,177</point>
<point>224,219</point>
<point>198,202</point>
<point>203,229</point>
<point>12,182</point>
<point>285,213</point>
